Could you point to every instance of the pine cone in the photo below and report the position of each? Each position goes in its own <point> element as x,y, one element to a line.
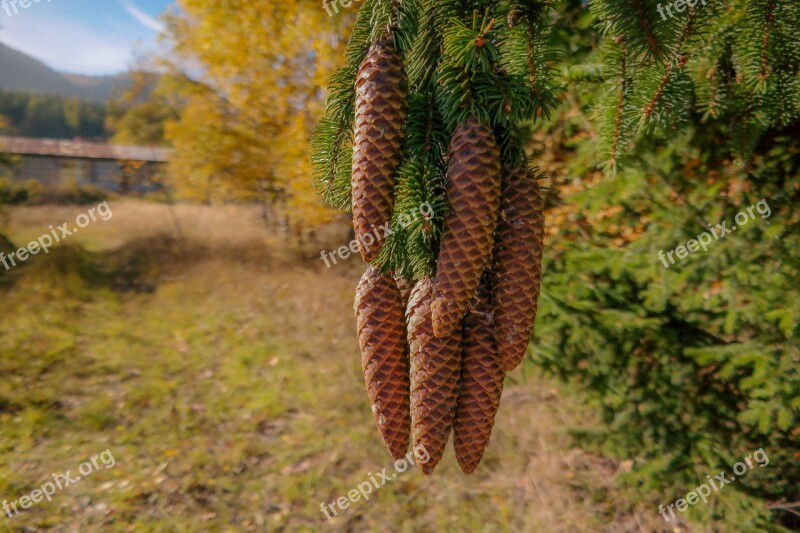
<point>481,382</point>
<point>473,191</point>
<point>381,109</point>
<point>517,264</point>
<point>381,335</point>
<point>435,365</point>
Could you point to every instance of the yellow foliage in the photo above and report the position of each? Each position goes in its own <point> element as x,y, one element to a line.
<point>258,69</point>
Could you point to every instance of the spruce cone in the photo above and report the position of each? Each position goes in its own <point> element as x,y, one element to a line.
<point>517,264</point>
<point>473,191</point>
<point>381,109</point>
<point>435,365</point>
<point>381,335</point>
<point>481,382</point>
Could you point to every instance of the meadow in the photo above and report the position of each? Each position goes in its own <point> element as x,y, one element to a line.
<point>218,363</point>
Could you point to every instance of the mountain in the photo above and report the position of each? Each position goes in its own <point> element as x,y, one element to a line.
<point>20,72</point>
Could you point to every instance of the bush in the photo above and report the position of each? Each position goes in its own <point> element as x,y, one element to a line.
<point>32,193</point>
<point>74,194</point>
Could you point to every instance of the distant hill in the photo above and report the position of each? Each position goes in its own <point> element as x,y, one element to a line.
<point>20,72</point>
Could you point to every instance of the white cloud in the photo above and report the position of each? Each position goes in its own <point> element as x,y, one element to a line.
<point>67,45</point>
<point>143,18</point>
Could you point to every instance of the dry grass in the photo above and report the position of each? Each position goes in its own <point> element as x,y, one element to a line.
<point>222,370</point>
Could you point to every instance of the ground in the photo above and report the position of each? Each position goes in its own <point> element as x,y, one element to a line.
<point>218,365</point>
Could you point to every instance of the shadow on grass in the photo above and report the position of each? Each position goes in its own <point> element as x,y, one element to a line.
<point>137,266</point>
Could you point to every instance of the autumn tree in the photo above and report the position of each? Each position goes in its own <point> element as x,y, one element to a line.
<point>251,90</point>
<point>138,116</point>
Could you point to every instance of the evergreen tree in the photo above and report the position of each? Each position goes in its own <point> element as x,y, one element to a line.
<point>35,115</point>
<point>696,109</point>
<point>495,59</point>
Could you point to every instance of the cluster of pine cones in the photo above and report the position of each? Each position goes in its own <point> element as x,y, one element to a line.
<point>435,352</point>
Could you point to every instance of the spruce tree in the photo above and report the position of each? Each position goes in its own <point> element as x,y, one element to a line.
<point>656,63</point>
<point>694,111</point>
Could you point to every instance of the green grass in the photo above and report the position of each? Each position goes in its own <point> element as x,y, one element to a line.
<point>224,376</point>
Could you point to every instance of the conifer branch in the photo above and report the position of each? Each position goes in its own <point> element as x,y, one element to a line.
<point>652,42</point>
<point>481,39</point>
<point>768,20</point>
<point>677,61</point>
<point>619,110</point>
<point>531,55</point>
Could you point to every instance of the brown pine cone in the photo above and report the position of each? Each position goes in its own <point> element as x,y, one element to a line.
<point>382,337</point>
<point>435,365</point>
<point>517,264</point>
<point>481,382</point>
<point>473,191</point>
<point>381,109</point>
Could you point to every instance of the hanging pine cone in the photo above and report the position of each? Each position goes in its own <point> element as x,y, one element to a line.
<point>517,264</point>
<point>381,109</point>
<point>382,337</point>
<point>435,365</point>
<point>473,191</point>
<point>481,382</point>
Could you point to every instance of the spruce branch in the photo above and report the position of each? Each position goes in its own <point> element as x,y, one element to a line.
<point>677,61</point>
<point>652,42</point>
<point>638,22</point>
<point>623,67</point>
<point>768,21</point>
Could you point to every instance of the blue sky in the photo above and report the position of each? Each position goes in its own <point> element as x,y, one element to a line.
<point>82,36</point>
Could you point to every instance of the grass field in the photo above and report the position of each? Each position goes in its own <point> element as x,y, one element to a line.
<point>219,365</point>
